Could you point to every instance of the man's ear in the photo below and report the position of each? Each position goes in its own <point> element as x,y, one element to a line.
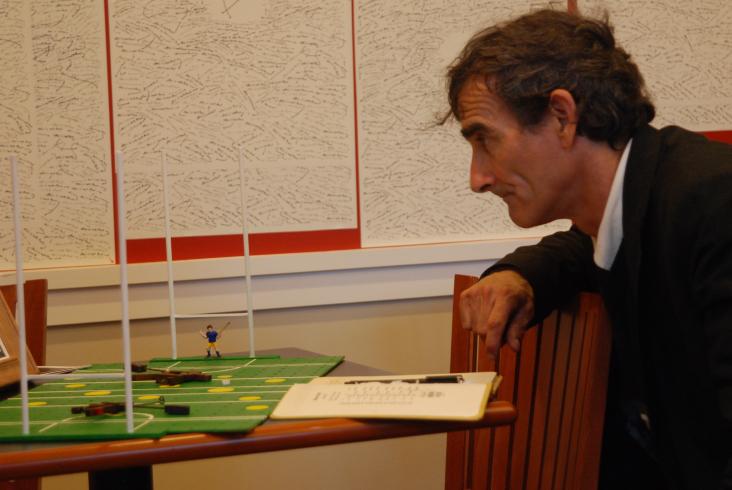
<point>563,109</point>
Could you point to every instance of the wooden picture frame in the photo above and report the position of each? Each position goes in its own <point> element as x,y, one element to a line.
<point>9,349</point>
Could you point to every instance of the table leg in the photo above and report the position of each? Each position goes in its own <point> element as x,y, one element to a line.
<point>138,477</point>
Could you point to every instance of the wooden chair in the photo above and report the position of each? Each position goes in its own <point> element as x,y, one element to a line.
<point>558,384</point>
<point>36,299</point>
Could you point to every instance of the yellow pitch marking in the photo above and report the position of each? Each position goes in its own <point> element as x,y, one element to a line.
<point>220,390</point>
<point>250,398</point>
<point>275,380</point>
<point>98,393</point>
<point>257,407</point>
<point>75,385</point>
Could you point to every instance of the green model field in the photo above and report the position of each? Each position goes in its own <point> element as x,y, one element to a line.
<point>241,394</point>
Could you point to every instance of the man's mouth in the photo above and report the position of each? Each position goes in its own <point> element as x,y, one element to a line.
<point>501,193</point>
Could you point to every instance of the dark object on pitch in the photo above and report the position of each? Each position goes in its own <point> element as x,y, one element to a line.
<point>111,408</point>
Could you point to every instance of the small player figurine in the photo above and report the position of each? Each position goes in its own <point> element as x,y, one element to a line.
<point>212,336</point>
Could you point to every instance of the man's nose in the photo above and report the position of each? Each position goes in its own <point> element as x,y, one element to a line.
<point>481,178</point>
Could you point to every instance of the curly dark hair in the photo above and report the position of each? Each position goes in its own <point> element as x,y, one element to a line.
<point>523,60</point>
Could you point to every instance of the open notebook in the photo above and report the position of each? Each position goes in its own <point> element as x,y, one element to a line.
<point>460,396</point>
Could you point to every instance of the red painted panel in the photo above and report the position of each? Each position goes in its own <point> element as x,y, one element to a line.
<point>723,136</point>
<point>187,248</point>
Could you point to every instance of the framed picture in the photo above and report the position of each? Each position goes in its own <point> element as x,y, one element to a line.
<point>9,362</point>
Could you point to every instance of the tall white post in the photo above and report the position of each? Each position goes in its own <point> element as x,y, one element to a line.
<point>247,262</point>
<point>169,257</point>
<point>20,293</point>
<point>121,232</point>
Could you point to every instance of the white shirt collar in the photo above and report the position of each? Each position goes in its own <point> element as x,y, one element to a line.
<point>610,233</point>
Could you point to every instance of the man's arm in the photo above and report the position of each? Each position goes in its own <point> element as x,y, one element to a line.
<point>557,267</point>
<point>523,287</point>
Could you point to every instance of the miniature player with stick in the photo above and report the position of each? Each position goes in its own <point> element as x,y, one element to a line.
<point>212,336</point>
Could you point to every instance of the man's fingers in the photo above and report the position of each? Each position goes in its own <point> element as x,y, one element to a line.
<point>514,333</point>
<point>494,325</point>
<point>466,310</point>
<point>518,326</point>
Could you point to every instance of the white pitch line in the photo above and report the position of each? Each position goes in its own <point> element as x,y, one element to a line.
<point>217,419</point>
<point>107,383</point>
<point>32,422</point>
<point>251,364</point>
<point>154,389</point>
<point>78,419</point>
<point>118,420</point>
<point>51,426</point>
<point>224,370</point>
<point>97,371</point>
<point>148,419</point>
<point>206,365</point>
<point>86,383</point>
<point>247,391</point>
<point>211,402</point>
<point>207,368</point>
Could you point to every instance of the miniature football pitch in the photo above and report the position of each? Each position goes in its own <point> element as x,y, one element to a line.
<point>241,394</point>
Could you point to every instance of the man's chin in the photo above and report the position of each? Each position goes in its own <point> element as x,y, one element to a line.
<point>523,221</point>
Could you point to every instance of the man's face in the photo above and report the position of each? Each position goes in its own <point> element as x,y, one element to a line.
<point>527,168</point>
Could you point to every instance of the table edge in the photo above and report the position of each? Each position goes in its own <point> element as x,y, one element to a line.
<point>95,456</point>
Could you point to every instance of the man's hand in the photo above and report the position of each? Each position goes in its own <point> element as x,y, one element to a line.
<point>499,306</point>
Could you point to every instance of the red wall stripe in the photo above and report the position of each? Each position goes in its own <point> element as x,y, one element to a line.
<point>204,247</point>
<point>723,136</point>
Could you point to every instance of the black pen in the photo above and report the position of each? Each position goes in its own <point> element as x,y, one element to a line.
<point>451,378</point>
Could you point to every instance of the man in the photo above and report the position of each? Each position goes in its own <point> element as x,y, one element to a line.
<point>557,118</point>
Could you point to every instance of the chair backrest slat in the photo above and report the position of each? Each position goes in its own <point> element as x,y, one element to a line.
<point>557,383</point>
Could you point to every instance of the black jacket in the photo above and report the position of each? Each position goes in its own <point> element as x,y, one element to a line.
<point>676,288</point>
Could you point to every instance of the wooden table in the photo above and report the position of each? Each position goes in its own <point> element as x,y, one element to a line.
<point>128,463</point>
